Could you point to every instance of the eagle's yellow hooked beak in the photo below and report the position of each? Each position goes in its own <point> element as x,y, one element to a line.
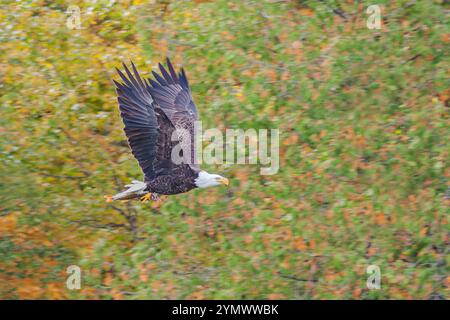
<point>224,181</point>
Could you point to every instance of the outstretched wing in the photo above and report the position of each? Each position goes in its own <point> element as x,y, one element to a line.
<point>172,95</point>
<point>138,115</point>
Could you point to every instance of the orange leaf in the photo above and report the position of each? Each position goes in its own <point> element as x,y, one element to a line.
<point>381,219</point>
<point>306,12</point>
<point>276,296</point>
<point>300,244</point>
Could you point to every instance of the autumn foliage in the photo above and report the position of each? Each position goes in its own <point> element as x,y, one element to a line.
<point>363,180</point>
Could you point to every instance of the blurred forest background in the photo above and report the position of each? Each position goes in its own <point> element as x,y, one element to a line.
<point>363,180</point>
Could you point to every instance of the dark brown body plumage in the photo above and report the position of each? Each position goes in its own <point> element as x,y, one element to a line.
<point>181,181</point>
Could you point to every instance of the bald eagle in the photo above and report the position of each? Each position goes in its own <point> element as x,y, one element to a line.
<point>152,111</point>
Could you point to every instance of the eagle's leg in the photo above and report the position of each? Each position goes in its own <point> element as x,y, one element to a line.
<point>146,197</point>
<point>150,196</point>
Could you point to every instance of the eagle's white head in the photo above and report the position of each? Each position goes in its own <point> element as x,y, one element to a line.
<point>205,180</point>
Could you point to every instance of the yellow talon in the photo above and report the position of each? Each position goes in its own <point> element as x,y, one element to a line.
<point>146,197</point>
